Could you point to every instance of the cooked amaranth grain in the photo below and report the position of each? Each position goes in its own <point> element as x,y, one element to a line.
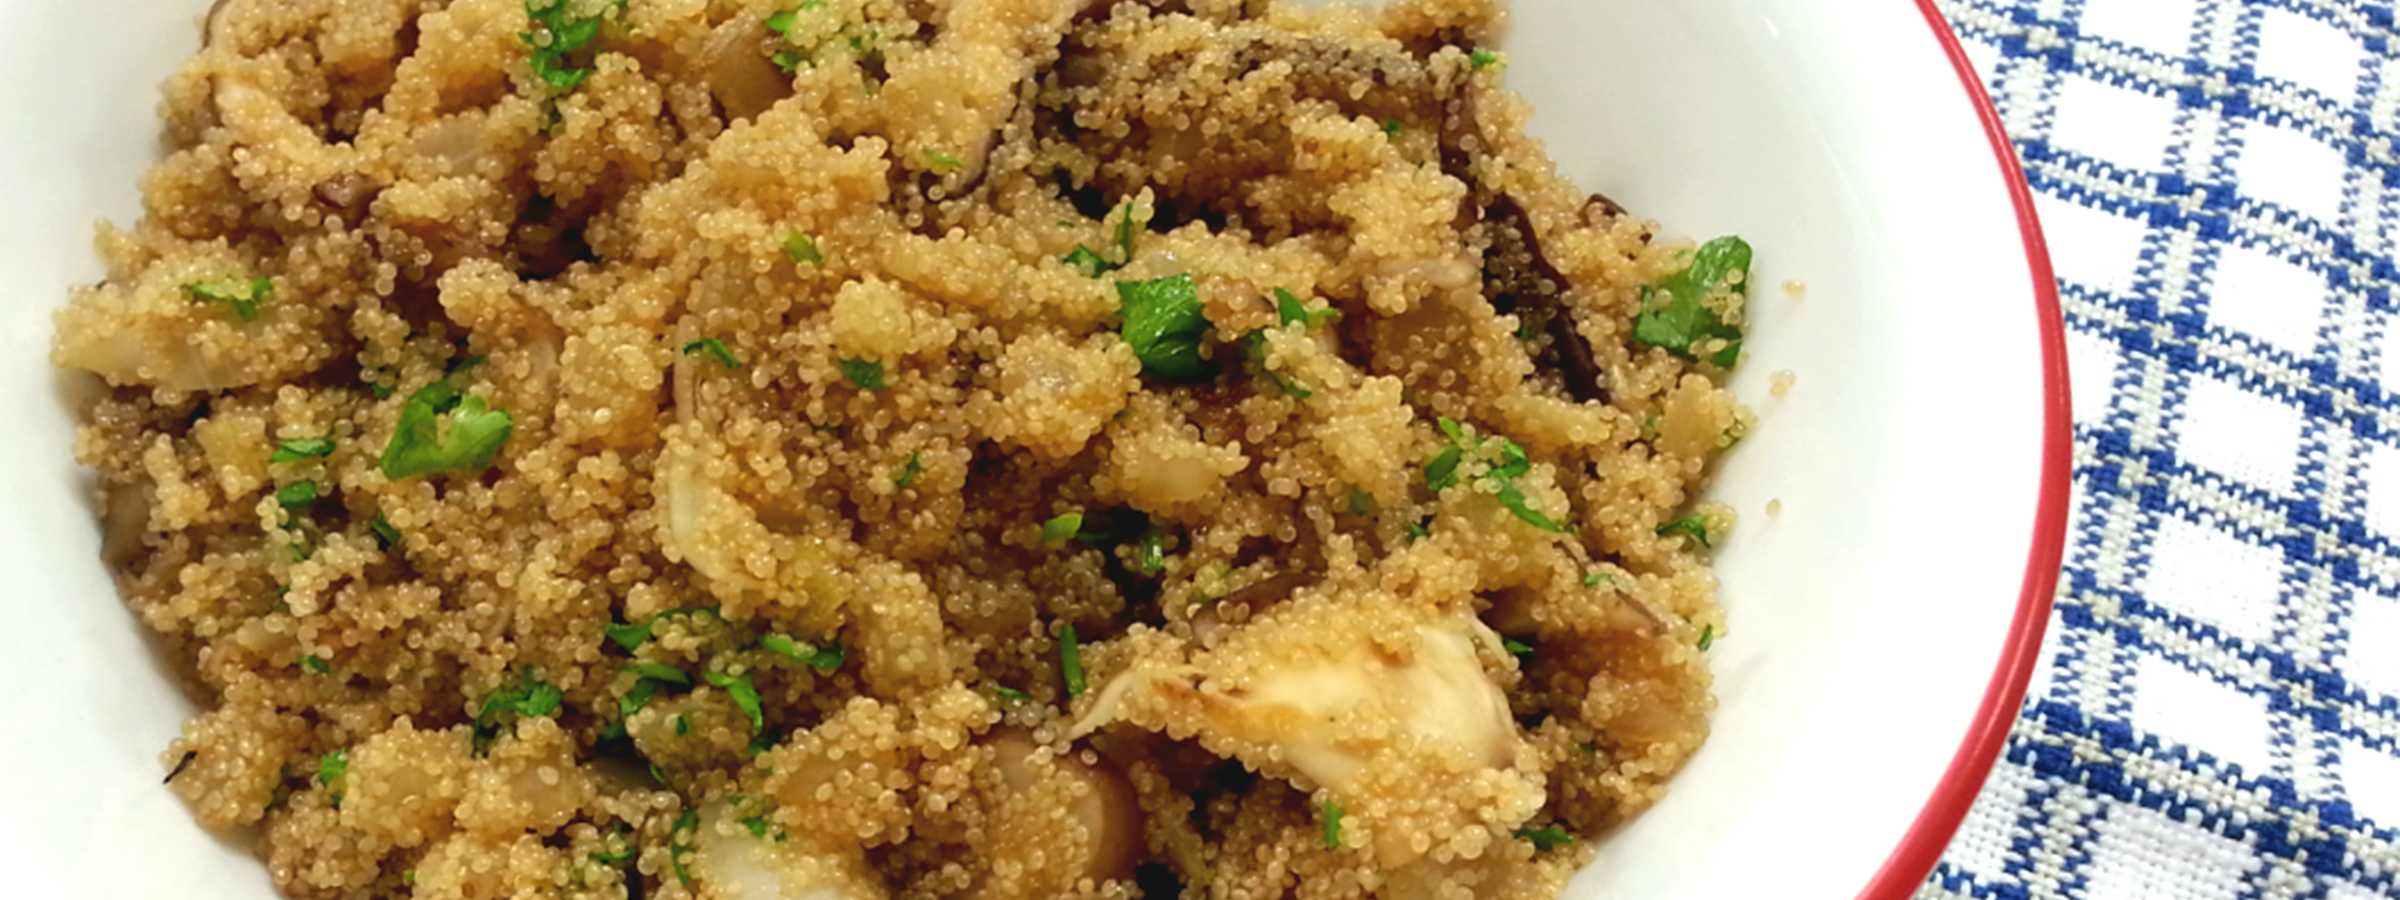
<point>866,448</point>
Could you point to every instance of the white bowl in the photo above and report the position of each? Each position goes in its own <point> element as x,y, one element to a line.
<point>1883,625</point>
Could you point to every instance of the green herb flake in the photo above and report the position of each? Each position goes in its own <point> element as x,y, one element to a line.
<point>1482,58</point>
<point>789,59</point>
<point>1708,637</point>
<point>1125,236</point>
<point>1515,501</point>
<point>745,696</point>
<point>1442,472</point>
<point>1010,694</point>
<point>386,536</point>
<point>636,698</point>
<point>1088,262</point>
<point>866,374</point>
<point>781,22</point>
<point>824,658</point>
<point>528,697</point>
<point>561,33</point>
<point>686,824</point>
<point>1693,526</point>
<point>1150,553</point>
<point>1517,648</point>
<point>1333,825</point>
<point>1290,311</point>
<point>627,635</point>
<point>1594,579</point>
<point>660,672</point>
<point>716,350</point>
<point>420,446</point>
<point>1361,503</point>
<point>1547,838</point>
<point>296,495</point>
<point>330,769</point>
<point>300,551</point>
<point>683,726</point>
<point>619,855</point>
<point>1061,529</point>
<point>1684,319</point>
<point>1164,324</point>
<point>408,876</point>
<point>315,665</point>
<point>910,472</point>
<point>943,163</point>
<point>801,248</point>
<point>244,296</point>
<point>1417,530</point>
<point>1392,127</point>
<point>298,449</point>
<point>1070,661</point>
<point>757,826</point>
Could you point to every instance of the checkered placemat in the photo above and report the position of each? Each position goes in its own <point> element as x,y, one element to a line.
<point>2215,714</point>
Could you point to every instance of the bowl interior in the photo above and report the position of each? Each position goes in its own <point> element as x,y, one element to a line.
<point>1867,616</point>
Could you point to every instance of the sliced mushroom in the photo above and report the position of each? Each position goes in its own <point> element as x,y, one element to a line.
<point>740,76</point>
<point>1520,279</point>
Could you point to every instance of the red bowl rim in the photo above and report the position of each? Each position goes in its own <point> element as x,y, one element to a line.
<point>1906,869</point>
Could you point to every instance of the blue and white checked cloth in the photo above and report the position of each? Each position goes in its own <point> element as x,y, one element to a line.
<point>2215,714</point>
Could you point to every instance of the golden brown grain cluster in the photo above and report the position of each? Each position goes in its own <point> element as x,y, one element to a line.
<point>898,448</point>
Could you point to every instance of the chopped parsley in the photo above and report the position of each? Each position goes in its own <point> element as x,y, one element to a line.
<point>301,448</point>
<point>909,473</point>
<point>617,853</point>
<point>1515,501</point>
<point>1290,311</point>
<point>716,350</point>
<point>244,296</point>
<point>1482,58</point>
<point>296,495</point>
<point>865,373</point>
<point>745,696</point>
<point>1392,127</point>
<point>1361,503</point>
<point>1164,324</point>
<point>1693,526</point>
<point>1594,579</point>
<point>1010,694</point>
<point>683,726</point>
<point>1150,553</point>
<point>1333,825</point>
<point>1517,648</point>
<point>420,446</point>
<point>636,698</point>
<point>660,672</point>
<point>627,635</point>
<point>1547,838</point>
<point>801,248</point>
<point>685,824</point>
<point>1254,345</point>
<point>330,769</point>
<point>823,659</point>
<point>1708,637</point>
<point>315,665</point>
<point>1088,262</point>
<point>1442,472</point>
<point>1125,233</point>
<point>1685,319</point>
<point>1070,661</point>
<point>943,163</point>
<point>385,534</point>
<point>1417,530</point>
<point>529,696</point>
<point>757,825</point>
<point>1061,529</point>
<point>561,33</point>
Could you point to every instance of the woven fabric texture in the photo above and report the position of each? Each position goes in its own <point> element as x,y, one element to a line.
<point>2214,714</point>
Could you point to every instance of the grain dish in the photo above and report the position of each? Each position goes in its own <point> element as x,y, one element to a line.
<point>862,448</point>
